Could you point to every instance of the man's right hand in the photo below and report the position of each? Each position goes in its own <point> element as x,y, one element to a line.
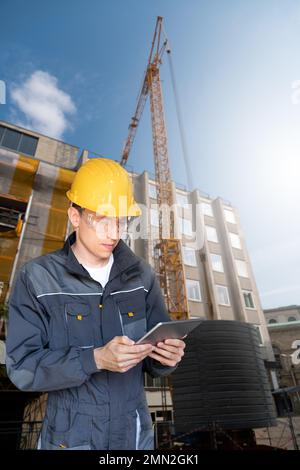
<point>121,354</point>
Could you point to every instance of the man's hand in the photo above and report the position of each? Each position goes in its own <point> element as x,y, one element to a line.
<point>169,352</point>
<point>121,354</point>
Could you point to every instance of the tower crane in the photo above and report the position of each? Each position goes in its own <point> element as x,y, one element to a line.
<point>168,257</point>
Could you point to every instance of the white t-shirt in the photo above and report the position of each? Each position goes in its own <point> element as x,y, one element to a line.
<point>101,274</point>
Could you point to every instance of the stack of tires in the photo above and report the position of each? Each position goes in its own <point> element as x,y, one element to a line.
<point>222,382</point>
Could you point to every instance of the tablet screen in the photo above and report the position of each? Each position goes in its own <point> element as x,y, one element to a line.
<point>169,330</point>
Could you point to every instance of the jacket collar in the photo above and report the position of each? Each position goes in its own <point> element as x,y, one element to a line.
<point>124,258</point>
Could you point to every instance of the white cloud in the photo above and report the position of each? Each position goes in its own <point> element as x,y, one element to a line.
<point>44,105</point>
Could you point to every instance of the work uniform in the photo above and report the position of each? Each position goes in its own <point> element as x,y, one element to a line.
<point>57,315</point>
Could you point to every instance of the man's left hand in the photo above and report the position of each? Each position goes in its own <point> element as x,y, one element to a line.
<point>169,352</point>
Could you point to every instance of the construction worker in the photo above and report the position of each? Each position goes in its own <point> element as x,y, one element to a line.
<point>75,315</point>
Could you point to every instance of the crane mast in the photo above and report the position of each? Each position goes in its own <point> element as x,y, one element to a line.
<point>167,256</point>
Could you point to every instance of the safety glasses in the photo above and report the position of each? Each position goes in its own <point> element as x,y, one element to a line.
<point>102,223</point>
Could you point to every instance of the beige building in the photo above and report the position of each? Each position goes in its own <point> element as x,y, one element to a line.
<point>291,313</point>
<point>219,278</point>
<point>284,330</point>
<point>35,173</point>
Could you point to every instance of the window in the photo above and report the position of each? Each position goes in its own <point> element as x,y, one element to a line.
<point>211,234</point>
<point>235,240</point>
<point>2,129</point>
<point>217,264</point>
<point>152,190</point>
<point>163,416</point>
<point>189,256</point>
<point>18,141</point>
<point>222,295</point>
<point>11,139</point>
<point>181,199</point>
<point>154,217</point>
<point>229,216</point>
<point>193,290</point>
<point>152,382</point>
<point>260,338</point>
<point>248,299</point>
<point>241,267</point>
<point>272,320</point>
<point>291,319</point>
<point>187,227</point>
<point>128,239</point>
<point>277,354</point>
<point>12,213</point>
<point>207,209</point>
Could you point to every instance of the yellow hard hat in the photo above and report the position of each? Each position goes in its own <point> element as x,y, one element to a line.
<point>103,186</point>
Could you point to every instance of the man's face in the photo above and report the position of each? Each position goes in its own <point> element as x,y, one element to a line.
<point>99,234</point>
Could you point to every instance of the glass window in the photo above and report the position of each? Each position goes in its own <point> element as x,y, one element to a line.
<point>222,295</point>
<point>187,227</point>
<point>248,299</point>
<point>193,290</point>
<point>211,234</point>
<point>291,319</point>
<point>11,139</point>
<point>217,264</point>
<point>277,354</point>
<point>128,239</point>
<point>241,267</point>
<point>260,339</point>
<point>11,214</point>
<point>15,140</point>
<point>154,217</point>
<point>182,199</point>
<point>189,256</point>
<point>28,144</point>
<point>229,216</point>
<point>2,129</point>
<point>235,240</point>
<point>272,320</point>
<point>207,209</point>
<point>152,190</point>
<point>152,381</point>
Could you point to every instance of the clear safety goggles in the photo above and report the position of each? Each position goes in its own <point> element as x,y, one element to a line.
<point>102,223</point>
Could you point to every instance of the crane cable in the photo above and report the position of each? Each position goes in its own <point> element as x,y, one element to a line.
<point>186,159</point>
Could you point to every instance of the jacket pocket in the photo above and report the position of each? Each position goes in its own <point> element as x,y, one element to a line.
<point>80,324</point>
<point>132,314</point>
<point>82,447</point>
<point>76,436</point>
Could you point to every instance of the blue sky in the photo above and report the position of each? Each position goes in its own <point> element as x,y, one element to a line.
<point>237,66</point>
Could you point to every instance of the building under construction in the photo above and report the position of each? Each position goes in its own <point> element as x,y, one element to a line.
<point>36,172</point>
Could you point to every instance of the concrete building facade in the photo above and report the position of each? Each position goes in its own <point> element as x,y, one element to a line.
<point>219,277</point>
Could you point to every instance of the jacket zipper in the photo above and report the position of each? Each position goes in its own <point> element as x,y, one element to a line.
<point>121,321</point>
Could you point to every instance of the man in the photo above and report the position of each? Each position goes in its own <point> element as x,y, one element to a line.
<point>75,315</point>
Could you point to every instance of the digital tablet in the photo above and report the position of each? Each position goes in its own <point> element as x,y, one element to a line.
<point>169,330</point>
